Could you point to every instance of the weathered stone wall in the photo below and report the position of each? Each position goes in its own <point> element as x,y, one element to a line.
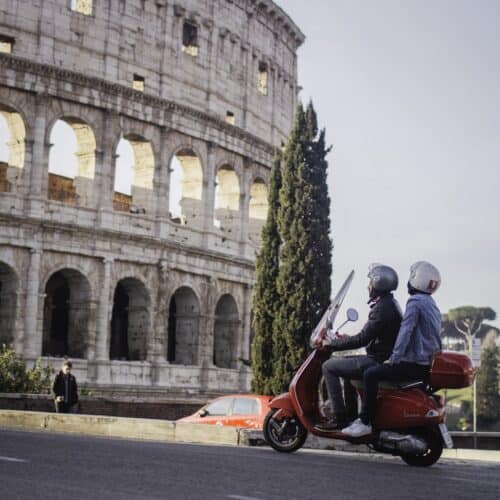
<point>121,261</point>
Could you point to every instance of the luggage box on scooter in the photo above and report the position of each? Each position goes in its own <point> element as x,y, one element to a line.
<point>451,370</point>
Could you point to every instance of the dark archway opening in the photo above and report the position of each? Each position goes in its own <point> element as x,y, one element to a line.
<point>183,324</point>
<point>66,315</point>
<point>129,321</point>
<point>226,332</point>
<point>119,325</point>
<point>8,302</point>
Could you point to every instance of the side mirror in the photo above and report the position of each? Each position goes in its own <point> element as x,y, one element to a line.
<point>203,413</point>
<point>352,314</point>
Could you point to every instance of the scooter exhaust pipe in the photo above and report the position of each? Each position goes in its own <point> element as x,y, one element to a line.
<point>405,443</point>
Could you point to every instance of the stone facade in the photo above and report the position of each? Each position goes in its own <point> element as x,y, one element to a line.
<point>140,299</point>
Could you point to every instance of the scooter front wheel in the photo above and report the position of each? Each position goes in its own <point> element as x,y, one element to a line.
<point>285,435</point>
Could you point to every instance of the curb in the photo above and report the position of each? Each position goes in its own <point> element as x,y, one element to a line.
<point>120,427</point>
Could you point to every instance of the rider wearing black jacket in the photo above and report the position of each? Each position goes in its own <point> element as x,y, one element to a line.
<point>378,336</point>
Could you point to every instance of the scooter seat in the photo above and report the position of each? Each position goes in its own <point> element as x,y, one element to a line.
<point>393,386</point>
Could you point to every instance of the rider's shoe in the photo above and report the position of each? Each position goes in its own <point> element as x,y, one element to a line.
<point>333,424</point>
<point>357,429</point>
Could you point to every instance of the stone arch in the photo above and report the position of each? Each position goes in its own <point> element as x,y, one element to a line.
<point>183,327</point>
<point>226,332</point>
<point>12,148</point>
<point>134,175</point>
<point>227,199</point>
<point>130,321</point>
<point>186,187</point>
<point>258,205</point>
<point>72,161</point>
<point>9,285</point>
<point>66,314</point>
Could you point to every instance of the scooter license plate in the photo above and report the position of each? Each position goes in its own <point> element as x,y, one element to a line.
<point>448,441</point>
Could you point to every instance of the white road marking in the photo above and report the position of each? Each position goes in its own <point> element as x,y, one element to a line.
<point>11,459</point>
<point>240,497</point>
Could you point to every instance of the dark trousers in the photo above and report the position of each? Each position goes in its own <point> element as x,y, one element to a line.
<point>390,373</point>
<point>345,406</point>
<point>62,407</point>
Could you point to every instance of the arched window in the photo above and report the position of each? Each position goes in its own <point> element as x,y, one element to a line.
<point>12,147</point>
<point>72,162</point>
<point>134,175</point>
<point>66,314</point>
<point>186,184</point>
<point>257,209</point>
<point>227,200</point>
<point>9,283</point>
<point>226,332</point>
<point>183,325</point>
<point>130,321</point>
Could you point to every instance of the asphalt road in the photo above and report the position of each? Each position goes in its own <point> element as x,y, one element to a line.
<point>58,466</point>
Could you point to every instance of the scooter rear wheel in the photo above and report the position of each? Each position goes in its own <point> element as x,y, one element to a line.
<point>431,456</point>
<point>285,435</point>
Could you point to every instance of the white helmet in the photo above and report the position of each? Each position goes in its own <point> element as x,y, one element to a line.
<point>424,277</point>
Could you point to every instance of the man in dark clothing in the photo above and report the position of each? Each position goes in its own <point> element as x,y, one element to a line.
<point>64,389</point>
<point>378,336</point>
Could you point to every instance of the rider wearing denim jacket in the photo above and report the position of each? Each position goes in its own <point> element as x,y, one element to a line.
<point>417,337</point>
<point>417,342</point>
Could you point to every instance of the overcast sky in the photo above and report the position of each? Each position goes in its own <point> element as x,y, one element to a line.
<point>409,92</point>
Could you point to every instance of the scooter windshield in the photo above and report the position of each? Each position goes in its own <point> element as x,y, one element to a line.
<point>330,314</point>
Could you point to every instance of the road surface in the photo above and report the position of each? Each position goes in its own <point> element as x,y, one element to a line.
<point>61,466</point>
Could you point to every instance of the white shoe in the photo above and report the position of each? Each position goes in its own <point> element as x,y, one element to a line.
<point>357,429</point>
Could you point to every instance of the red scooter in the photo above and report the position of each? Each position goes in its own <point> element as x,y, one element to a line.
<point>410,417</point>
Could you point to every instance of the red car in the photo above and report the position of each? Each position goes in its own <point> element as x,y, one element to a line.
<point>246,411</point>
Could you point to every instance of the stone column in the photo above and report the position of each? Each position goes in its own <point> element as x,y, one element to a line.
<point>162,178</point>
<point>36,178</point>
<point>105,158</point>
<point>209,191</point>
<point>103,313</point>
<point>32,338</point>
<point>244,348</point>
<point>157,348</point>
<point>245,203</point>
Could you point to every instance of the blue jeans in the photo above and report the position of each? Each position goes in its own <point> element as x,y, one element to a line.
<point>390,373</point>
<point>345,406</point>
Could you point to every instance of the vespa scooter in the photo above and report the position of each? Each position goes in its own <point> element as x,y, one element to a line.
<point>410,416</point>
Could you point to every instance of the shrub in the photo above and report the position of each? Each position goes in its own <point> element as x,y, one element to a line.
<point>15,376</point>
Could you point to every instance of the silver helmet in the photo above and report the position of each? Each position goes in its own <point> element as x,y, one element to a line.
<point>424,277</point>
<point>382,278</point>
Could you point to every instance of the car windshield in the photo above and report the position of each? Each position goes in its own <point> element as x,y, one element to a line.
<point>245,406</point>
<point>219,407</point>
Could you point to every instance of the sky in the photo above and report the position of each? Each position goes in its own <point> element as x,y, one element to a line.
<point>409,93</point>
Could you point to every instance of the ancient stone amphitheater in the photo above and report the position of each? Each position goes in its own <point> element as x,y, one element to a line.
<point>141,299</point>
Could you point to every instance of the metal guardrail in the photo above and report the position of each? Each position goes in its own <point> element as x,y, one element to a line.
<point>476,434</point>
<point>467,439</point>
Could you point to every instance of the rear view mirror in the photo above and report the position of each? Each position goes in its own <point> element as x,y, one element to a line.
<point>352,314</point>
<point>203,413</point>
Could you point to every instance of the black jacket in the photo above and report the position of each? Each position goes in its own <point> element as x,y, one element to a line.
<point>379,333</point>
<point>59,388</point>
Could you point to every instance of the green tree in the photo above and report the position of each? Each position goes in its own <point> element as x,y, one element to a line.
<point>15,376</point>
<point>488,400</point>
<point>265,295</point>
<point>305,255</point>
<point>468,320</point>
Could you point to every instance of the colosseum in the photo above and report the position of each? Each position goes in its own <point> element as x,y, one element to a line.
<point>140,296</point>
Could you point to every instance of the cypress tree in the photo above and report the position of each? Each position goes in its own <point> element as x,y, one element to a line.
<point>488,399</point>
<point>305,256</point>
<point>265,295</point>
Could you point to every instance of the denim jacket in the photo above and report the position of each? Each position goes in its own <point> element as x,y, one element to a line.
<point>418,338</point>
